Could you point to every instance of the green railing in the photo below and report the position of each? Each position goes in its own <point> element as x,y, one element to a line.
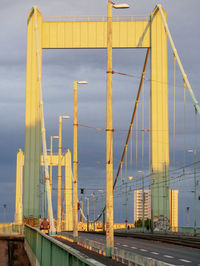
<point>48,251</point>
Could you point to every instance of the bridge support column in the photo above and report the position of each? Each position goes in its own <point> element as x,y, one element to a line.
<point>32,124</point>
<point>159,123</point>
<point>19,187</point>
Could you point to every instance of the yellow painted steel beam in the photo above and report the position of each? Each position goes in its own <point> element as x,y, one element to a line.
<point>159,118</point>
<point>31,206</point>
<point>68,222</point>
<point>19,187</point>
<point>159,93</point>
<point>93,34</point>
<point>54,160</point>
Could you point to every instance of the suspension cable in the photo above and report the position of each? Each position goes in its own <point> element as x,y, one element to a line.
<point>131,123</point>
<point>174,118</point>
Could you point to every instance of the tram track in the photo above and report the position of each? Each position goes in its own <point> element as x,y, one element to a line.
<point>176,239</point>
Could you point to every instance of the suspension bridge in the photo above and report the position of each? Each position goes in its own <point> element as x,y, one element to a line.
<point>151,171</point>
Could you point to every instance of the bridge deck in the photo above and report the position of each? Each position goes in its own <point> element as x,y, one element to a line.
<point>98,257</point>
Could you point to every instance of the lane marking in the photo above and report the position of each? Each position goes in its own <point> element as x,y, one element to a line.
<point>143,250</point>
<point>188,261</point>
<point>167,256</point>
<point>133,247</point>
<point>118,243</point>
<point>155,253</point>
<point>125,246</point>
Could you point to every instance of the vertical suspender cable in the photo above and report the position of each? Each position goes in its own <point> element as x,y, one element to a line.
<point>131,123</point>
<point>43,131</point>
<point>136,142</point>
<point>184,154</point>
<point>195,102</point>
<point>150,132</point>
<point>143,126</point>
<point>133,115</point>
<point>174,118</point>
<point>131,149</point>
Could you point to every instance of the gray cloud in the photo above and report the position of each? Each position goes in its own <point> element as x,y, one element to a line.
<point>62,67</point>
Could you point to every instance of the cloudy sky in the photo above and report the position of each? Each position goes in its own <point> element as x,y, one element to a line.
<point>62,67</point>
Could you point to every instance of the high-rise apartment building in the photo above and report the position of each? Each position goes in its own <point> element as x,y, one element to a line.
<point>138,206</point>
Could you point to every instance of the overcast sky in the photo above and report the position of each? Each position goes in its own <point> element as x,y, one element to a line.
<point>62,67</point>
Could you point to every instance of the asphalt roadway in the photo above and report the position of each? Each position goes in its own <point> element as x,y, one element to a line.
<point>170,253</point>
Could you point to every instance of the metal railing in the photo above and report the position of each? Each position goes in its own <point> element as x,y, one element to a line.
<point>11,229</point>
<point>96,18</point>
<point>46,250</point>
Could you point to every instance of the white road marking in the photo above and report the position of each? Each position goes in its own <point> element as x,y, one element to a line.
<point>118,243</point>
<point>155,253</point>
<point>133,247</point>
<point>125,246</point>
<point>188,261</point>
<point>167,256</point>
<point>143,249</point>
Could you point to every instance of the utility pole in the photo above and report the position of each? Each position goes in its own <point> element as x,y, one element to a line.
<point>59,218</point>
<point>109,140</point>
<point>93,196</point>
<point>4,212</point>
<point>87,198</point>
<point>75,165</point>
<point>187,210</point>
<point>143,198</point>
<point>195,193</point>
<point>195,190</point>
<point>109,134</point>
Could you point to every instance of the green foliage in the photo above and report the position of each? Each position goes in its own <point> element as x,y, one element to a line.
<point>147,222</point>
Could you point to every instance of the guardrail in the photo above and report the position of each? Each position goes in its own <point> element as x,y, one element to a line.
<point>96,18</point>
<point>11,229</point>
<point>45,250</point>
<point>118,254</point>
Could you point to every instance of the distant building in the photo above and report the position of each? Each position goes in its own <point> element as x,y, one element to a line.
<point>173,201</point>
<point>138,206</point>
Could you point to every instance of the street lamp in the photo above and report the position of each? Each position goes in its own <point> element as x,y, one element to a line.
<point>103,216</point>
<point>50,175</point>
<point>4,211</point>
<point>51,161</point>
<point>88,206</point>
<point>195,191</point>
<point>187,210</point>
<point>93,196</point>
<point>59,220</point>
<point>109,134</point>
<point>75,165</point>
<point>141,172</point>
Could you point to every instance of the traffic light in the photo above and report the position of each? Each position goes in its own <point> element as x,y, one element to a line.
<point>82,190</point>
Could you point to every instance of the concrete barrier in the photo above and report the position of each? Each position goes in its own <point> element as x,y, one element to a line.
<point>118,254</point>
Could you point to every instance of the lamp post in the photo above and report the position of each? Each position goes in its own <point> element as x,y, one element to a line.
<point>51,160</point>
<point>4,212</point>
<point>88,206</point>
<point>75,165</point>
<point>93,196</point>
<point>141,172</point>
<point>187,211</point>
<point>109,134</point>
<point>103,216</point>
<point>50,175</point>
<point>59,220</point>
<point>195,191</point>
